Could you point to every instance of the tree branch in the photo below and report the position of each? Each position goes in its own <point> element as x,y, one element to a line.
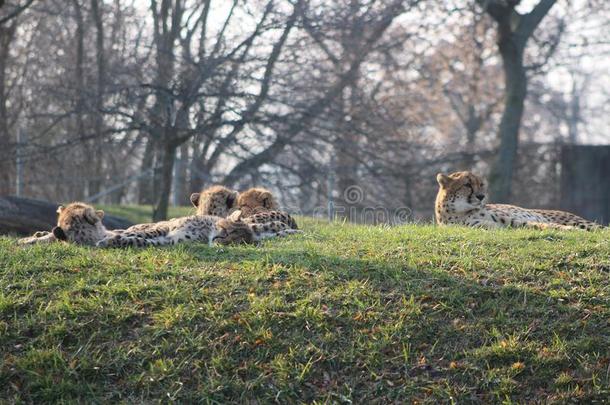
<point>16,12</point>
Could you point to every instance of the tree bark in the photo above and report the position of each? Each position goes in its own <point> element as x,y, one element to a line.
<point>515,82</point>
<point>145,184</point>
<point>514,30</point>
<point>95,183</point>
<point>165,182</point>
<point>199,176</point>
<point>7,34</point>
<point>180,184</point>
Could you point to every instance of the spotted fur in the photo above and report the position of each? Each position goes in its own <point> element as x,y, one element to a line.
<point>462,199</point>
<point>216,200</point>
<point>77,223</point>
<point>266,217</point>
<point>39,237</point>
<point>194,228</point>
<point>256,200</point>
<point>232,231</point>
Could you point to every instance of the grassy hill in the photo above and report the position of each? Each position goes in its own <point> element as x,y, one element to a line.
<point>341,314</point>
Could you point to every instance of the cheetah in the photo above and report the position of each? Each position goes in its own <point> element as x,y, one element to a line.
<point>256,200</point>
<point>81,224</point>
<point>266,217</point>
<point>231,231</point>
<point>77,223</point>
<point>259,205</point>
<point>196,228</point>
<point>217,200</point>
<point>462,199</point>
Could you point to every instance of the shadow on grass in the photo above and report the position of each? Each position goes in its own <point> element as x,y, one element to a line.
<point>236,324</point>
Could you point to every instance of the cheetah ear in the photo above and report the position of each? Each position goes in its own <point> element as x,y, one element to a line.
<point>195,199</point>
<point>443,180</point>
<point>100,214</point>
<point>267,200</point>
<point>231,199</point>
<point>60,209</point>
<point>59,233</point>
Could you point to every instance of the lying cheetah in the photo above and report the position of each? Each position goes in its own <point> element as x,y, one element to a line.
<point>237,231</point>
<point>216,200</point>
<point>265,217</point>
<point>462,199</point>
<point>258,205</point>
<point>256,200</point>
<point>196,228</point>
<point>78,223</point>
<point>81,224</point>
<point>254,206</point>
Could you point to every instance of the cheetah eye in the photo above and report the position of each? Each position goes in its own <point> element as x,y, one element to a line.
<point>468,185</point>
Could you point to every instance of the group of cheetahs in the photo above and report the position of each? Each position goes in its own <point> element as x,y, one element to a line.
<point>228,217</point>
<point>223,216</point>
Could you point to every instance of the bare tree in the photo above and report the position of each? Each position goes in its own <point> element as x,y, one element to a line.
<point>8,26</point>
<point>514,30</point>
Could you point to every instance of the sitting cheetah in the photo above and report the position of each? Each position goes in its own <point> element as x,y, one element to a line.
<point>216,200</point>
<point>462,199</point>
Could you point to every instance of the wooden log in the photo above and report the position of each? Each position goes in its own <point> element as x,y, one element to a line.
<point>24,216</point>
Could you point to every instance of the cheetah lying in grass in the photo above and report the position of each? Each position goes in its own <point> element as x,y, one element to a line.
<point>462,199</point>
<point>77,223</point>
<point>259,205</point>
<point>217,200</point>
<point>81,224</point>
<point>253,206</point>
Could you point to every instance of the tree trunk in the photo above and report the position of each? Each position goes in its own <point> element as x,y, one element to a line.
<point>198,173</point>
<point>165,182</point>
<point>181,195</point>
<point>514,30</point>
<point>145,184</point>
<point>346,150</point>
<point>515,82</point>
<point>574,115</point>
<point>95,183</point>
<point>78,192</point>
<point>7,33</point>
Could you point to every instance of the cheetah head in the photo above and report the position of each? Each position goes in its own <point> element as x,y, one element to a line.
<point>256,200</point>
<point>462,191</point>
<point>79,223</point>
<point>233,232</point>
<point>216,200</point>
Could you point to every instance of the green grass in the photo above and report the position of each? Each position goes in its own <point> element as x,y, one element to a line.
<point>141,213</point>
<point>342,313</point>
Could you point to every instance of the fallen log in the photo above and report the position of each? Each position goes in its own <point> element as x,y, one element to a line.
<point>24,216</point>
